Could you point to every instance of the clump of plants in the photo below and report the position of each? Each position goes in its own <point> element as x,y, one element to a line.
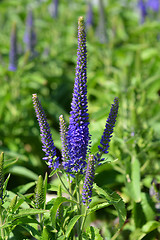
<point>64,217</point>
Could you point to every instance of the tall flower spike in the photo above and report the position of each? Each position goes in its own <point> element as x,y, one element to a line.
<point>39,193</point>
<point>143,10</point>
<point>30,35</point>
<point>78,132</point>
<point>53,8</point>
<point>46,136</point>
<point>107,134</point>
<point>13,50</point>
<point>88,181</point>
<point>101,29</point>
<point>89,18</point>
<point>1,177</point>
<point>64,140</point>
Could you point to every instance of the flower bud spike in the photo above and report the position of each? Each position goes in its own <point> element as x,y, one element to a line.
<point>39,193</point>
<point>30,35</point>
<point>13,50</point>
<point>88,181</point>
<point>89,17</point>
<point>107,134</point>
<point>46,136</point>
<point>64,140</point>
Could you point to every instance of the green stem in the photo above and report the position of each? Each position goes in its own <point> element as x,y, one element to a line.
<point>59,177</point>
<point>115,235</point>
<point>1,223</point>
<point>40,220</point>
<point>78,208</point>
<point>84,219</point>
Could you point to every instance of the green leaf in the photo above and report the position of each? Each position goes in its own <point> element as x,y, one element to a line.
<point>9,163</point>
<point>5,183</point>
<point>92,233</point>
<point>71,224</point>
<point>148,207</point>
<point>24,199</point>
<point>114,199</point>
<point>61,238</point>
<point>120,207</point>
<point>98,206</point>
<point>24,188</point>
<point>55,207</point>
<point>28,212</point>
<point>46,234</point>
<point>133,179</point>
<point>53,172</point>
<point>22,171</point>
<point>149,53</point>
<point>104,193</point>
<point>30,228</point>
<point>137,234</point>
<point>150,226</point>
<point>138,215</point>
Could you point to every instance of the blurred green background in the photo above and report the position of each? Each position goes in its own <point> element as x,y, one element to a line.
<point>123,61</point>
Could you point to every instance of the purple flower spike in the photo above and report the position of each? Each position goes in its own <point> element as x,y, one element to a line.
<point>54,8</point>
<point>64,140</point>
<point>88,181</point>
<point>89,18</point>
<point>46,136</point>
<point>143,10</point>
<point>13,50</point>
<point>107,134</point>
<point>153,4</point>
<point>78,132</point>
<point>30,35</point>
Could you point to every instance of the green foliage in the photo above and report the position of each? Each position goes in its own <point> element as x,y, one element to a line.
<point>127,66</point>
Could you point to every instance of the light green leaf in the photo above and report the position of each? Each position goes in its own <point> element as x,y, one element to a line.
<point>55,207</point>
<point>5,183</point>
<point>147,206</point>
<point>27,212</point>
<point>71,224</point>
<point>133,179</point>
<point>98,206</point>
<point>150,226</point>
<point>9,163</point>
<point>93,234</point>
<point>24,188</point>
<point>114,199</point>
<point>22,171</point>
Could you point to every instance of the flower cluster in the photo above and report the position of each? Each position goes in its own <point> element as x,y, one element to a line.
<point>46,136</point>
<point>88,181</point>
<point>76,138</point>
<point>13,50</point>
